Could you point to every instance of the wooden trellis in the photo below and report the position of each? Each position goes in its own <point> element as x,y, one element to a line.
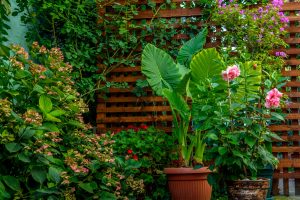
<point>123,107</point>
<point>289,150</point>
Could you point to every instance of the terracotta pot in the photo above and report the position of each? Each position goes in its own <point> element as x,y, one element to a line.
<point>188,183</point>
<point>248,189</point>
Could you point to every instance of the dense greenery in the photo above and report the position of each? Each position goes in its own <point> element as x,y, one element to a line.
<point>46,149</point>
<point>141,154</point>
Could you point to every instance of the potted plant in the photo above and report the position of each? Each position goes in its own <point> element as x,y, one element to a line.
<point>250,34</point>
<point>178,83</point>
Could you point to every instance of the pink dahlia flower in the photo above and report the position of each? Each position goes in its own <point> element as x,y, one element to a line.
<point>273,98</point>
<point>231,73</point>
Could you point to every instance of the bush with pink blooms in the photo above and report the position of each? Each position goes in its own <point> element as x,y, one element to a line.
<point>47,151</point>
<point>250,100</point>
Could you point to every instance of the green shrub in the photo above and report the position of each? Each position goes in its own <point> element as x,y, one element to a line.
<point>141,154</point>
<point>46,149</point>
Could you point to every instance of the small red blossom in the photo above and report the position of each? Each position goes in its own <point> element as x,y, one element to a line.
<point>144,126</point>
<point>129,151</point>
<point>135,157</point>
<point>130,127</point>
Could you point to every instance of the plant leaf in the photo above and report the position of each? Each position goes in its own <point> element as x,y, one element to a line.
<point>87,187</point>
<point>39,175</point>
<point>51,118</point>
<point>191,47</point>
<point>160,69</point>
<point>57,113</point>
<point>206,64</point>
<point>13,147</point>
<point>250,140</point>
<point>45,103</point>
<point>54,174</point>
<point>12,182</point>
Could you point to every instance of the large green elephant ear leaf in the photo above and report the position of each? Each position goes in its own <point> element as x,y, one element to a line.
<point>160,69</point>
<point>249,81</point>
<point>191,47</point>
<point>181,88</point>
<point>177,103</point>
<point>207,64</point>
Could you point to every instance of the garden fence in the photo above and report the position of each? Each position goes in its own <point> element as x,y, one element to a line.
<point>123,107</point>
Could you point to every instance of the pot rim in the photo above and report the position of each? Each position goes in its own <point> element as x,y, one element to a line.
<point>259,179</point>
<point>187,170</point>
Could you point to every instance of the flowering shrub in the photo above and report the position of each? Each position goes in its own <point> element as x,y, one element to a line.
<point>46,149</point>
<point>141,154</point>
<point>248,100</point>
<point>252,33</point>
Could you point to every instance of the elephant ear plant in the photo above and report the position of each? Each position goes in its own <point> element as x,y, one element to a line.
<point>178,82</point>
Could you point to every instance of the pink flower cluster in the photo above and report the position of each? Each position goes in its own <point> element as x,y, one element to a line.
<point>273,98</point>
<point>277,3</point>
<point>280,54</point>
<point>231,73</point>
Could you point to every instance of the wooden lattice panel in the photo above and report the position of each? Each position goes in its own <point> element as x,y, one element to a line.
<point>288,151</point>
<point>123,107</point>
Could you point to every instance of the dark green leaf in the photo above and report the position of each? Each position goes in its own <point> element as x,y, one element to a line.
<point>13,147</point>
<point>12,182</point>
<point>39,175</point>
<point>54,174</point>
<point>191,47</point>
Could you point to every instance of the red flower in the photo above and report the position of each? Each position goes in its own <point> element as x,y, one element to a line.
<point>129,151</point>
<point>135,157</point>
<point>144,126</point>
<point>130,127</point>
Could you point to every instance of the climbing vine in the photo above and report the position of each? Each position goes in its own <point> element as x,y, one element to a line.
<point>98,36</point>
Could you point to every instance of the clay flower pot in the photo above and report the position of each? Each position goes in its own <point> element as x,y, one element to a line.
<point>188,183</point>
<point>248,189</point>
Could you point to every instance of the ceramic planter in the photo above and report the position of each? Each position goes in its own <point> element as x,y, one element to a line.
<point>267,172</point>
<point>188,183</point>
<point>248,189</point>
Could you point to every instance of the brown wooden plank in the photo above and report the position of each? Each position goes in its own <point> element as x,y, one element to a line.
<point>179,12</point>
<point>285,128</point>
<point>138,119</point>
<point>291,73</point>
<point>289,51</point>
<point>292,62</point>
<point>288,149</point>
<point>292,40</point>
<point>293,29</point>
<point>288,175</point>
<point>293,116</point>
<point>293,105</point>
<point>127,69</point>
<point>290,6</point>
<point>285,163</point>
<point>132,109</point>
<point>291,138</point>
<point>141,2</point>
<point>128,79</point>
<point>134,99</point>
<point>293,84</point>
<point>294,18</point>
<point>293,94</point>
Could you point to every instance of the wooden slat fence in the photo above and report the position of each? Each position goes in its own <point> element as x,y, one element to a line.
<point>289,151</point>
<point>122,107</point>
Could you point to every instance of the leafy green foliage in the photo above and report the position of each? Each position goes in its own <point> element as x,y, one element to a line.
<point>142,153</point>
<point>160,69</point>
<point>191,47</point>
<point>45,147</point>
